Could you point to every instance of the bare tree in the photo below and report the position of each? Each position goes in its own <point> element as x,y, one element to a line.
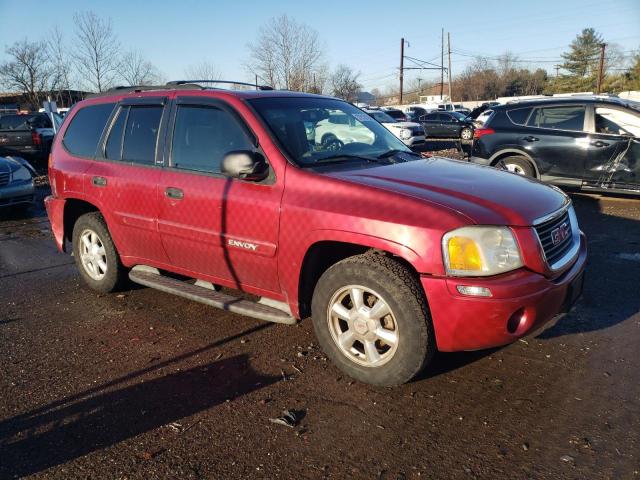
<point>96,52</point>
<point>286,54</point>
<point>203,70</point>
<point>344,82</point>
<point>136,70</point>
<point>61,64</point>
<point>28,71</point>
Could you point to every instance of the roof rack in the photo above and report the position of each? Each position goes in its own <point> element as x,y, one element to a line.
<point>133,89</point>
<point>188,82</point>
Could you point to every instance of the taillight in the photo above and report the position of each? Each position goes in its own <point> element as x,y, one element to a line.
<point>481,132</point>
<point>36,138</point>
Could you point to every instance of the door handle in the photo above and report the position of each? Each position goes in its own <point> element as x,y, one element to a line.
<point>99,181</point>
<point>174,193</point>
<point>531,138</point>
<point>599,144</point>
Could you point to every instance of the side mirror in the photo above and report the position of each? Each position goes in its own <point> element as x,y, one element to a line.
<point>245,165</point>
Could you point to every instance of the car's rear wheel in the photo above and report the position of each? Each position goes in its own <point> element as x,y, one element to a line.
<point>371,318</point>
<point>466,133</point>
<point>518,164</point>
<point>95,254</point>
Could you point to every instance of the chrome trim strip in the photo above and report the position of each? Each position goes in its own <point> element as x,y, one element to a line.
<point>553,215</point>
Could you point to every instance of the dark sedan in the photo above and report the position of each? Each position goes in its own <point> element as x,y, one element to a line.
<point>447,125</point>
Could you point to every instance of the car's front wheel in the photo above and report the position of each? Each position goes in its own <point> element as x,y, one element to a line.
<point>371,318</point>
<point>95,254</point>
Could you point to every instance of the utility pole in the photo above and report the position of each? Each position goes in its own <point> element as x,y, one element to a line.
<point>441,64</point>
<point>256,81</point>
<point>401,66</point>
<point>557,70</point>
<point>419,89</point>
<point>601,68</point>
<point>449,44</point>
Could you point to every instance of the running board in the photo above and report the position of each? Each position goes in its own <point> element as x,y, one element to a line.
<point>148,278</point>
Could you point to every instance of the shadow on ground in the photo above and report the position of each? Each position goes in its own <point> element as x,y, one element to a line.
<point>99,418</point>
<point>610,294</point>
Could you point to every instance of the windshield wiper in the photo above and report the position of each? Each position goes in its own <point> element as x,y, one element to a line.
<point>342,158</point>
<point>393,152</point>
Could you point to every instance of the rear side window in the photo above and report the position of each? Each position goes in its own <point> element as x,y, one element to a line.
<point>559,118</point>
<point>203,136</point>
<point>113,148</point>
<point>431,117</point>
<point>519,116</point>
<point>141,134</point>
<point>84,132</point>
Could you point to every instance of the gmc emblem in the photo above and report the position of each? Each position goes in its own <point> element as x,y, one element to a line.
<point>561,233</point>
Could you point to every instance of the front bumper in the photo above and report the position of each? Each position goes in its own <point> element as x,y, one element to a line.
<point>17,193</point>
<point>414,141</point>
<point>473,323</point>
<point>479,160</point>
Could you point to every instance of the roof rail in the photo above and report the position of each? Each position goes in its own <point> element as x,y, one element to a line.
<point>185,82</point>
<point>132,89</point>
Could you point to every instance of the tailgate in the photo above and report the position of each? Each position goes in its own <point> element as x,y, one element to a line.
<point>10,138</point>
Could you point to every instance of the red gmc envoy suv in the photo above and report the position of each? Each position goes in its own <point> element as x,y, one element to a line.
<point>189,189</point>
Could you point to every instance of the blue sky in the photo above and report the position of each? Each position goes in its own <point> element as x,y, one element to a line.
<point>363,34</point>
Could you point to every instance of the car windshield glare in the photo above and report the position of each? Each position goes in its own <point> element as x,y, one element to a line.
<point>312,129</point>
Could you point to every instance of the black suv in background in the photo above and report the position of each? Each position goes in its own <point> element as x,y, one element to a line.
<point>27,135</point>
<point>586,142</point>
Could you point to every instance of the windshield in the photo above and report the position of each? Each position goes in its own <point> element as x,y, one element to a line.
<point>316,129</point>
<point>382,117</point>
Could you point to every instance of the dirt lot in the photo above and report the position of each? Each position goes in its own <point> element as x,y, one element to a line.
<point>144,385</point>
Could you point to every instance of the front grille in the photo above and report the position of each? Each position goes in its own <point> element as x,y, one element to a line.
<point>4,178</point>
<point>549,233</point>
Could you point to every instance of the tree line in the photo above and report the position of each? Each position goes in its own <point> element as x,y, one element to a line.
<point>290,55</point>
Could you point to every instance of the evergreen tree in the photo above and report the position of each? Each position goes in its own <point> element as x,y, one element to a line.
<point>581,62</point>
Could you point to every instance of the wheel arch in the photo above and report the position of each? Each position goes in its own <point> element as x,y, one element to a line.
<point>74,208</point>
<point>322,254</point>
<point>510,152</point>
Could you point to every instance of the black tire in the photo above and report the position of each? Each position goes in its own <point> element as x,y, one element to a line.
<point>402,291</point>
<point>518,164</point>
<point>116,274</point>
<point>466,133</point>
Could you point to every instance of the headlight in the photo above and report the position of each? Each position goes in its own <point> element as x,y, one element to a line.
<point>405,134</point>
<point>480,251</point>
<point>21,174</point>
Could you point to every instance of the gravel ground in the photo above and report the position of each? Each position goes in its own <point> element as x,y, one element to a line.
<point>142,385</point>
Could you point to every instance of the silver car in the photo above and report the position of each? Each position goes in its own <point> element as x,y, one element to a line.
<point>16,182</point>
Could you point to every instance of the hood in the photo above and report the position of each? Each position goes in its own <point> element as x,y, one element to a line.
<point>11,164</point>
<point>485,195</point>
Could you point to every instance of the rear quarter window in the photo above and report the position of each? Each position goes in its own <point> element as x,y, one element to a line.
<point>83,133</point>
<point>519,116</point>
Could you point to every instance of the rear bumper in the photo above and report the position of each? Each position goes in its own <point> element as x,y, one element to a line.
<point>473,323</point>
<point>55,211</point>
<point>16,193</point>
